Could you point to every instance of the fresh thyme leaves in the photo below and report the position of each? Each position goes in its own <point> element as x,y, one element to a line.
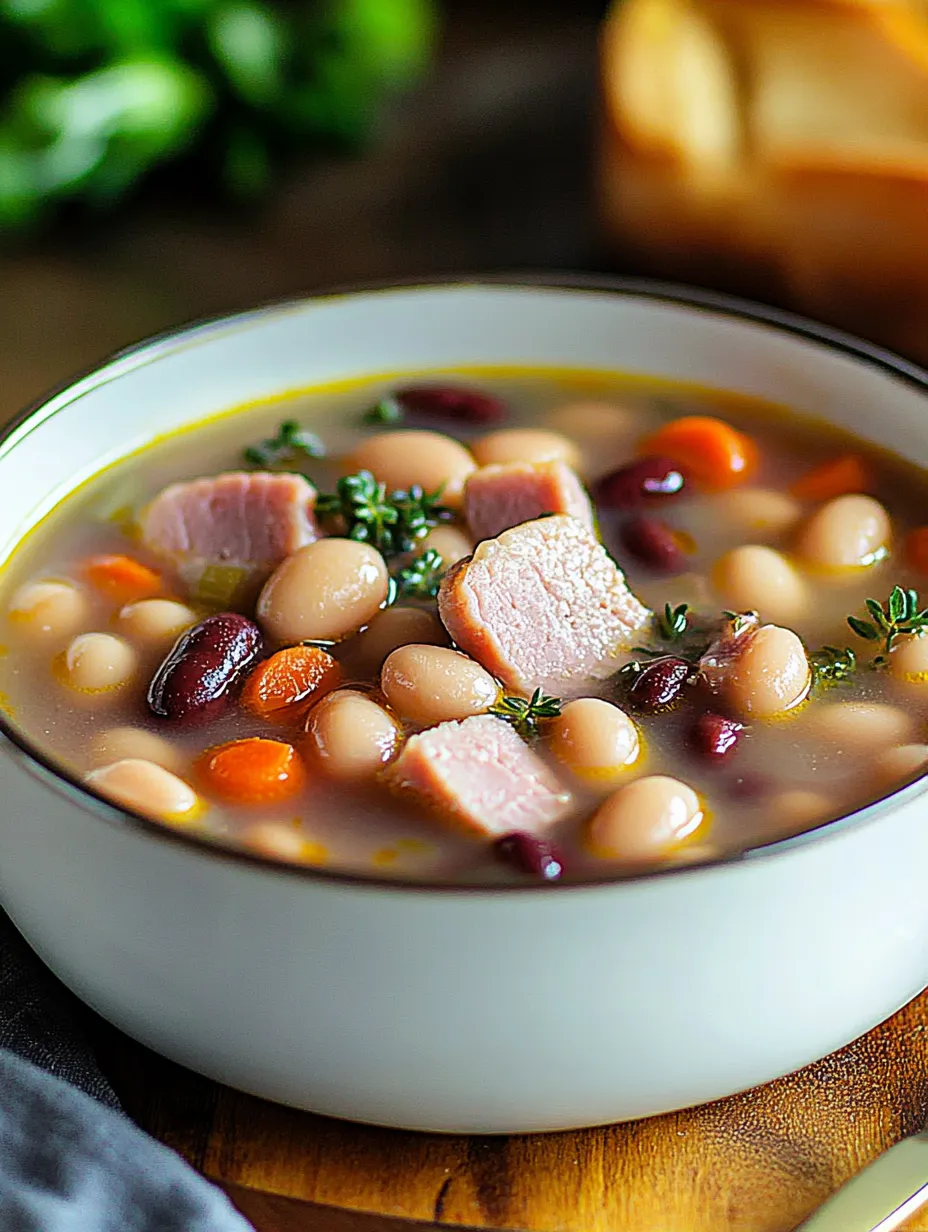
<point>738,620</point>
<point>387,411</point>
<point>422,578</point>
<point>525,716</point>
<point>898,616</point>
<point>674,622</point>
<point>290,443</point>
<point>392,523</point>
<point>832,664</point>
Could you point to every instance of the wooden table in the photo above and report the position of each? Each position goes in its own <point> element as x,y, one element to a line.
<point>487,169</point>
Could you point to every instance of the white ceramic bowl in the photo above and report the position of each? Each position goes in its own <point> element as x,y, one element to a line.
<point>464,1010</point>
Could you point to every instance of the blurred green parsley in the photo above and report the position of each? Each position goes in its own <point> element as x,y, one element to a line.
<point>94,94</point>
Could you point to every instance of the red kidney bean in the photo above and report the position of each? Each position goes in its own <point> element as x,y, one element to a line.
<point>451,402</point>
<point>196,681</point>
<point>640,482</point>
<point>659,685</point>
<point>653,543</point>
<point>530,855</point>
<point>715,737</point>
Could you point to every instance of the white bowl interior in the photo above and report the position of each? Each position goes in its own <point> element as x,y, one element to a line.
<point>169,383</point>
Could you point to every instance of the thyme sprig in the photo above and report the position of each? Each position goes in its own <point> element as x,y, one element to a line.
<point>422,578</point>
<point>832,665</point>
<point>898,616</point>
<point>387,411</point>
<point>525,716</point>
<point>392,522</point>
<point>290,443</point>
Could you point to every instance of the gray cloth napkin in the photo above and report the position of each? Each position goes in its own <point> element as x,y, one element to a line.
<point>70,1161</point>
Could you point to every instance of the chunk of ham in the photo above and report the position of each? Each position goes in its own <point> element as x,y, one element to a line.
<point>499,497</point>
<point>481,775</point>
<point>251,520</point>
<point>542,605</point>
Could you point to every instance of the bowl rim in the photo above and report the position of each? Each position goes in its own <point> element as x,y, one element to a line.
<point>199,331</point>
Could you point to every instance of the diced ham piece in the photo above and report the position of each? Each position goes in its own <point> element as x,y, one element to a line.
<point>247,519</point>
<point>542,605</point>
<point>499,497</point>
<point>480,774</point>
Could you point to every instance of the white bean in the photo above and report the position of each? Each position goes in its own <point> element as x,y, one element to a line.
<point>325,591</point>
<point>145,788</point>
<point>526,445</point>
<point>796,810</point>
<point>596,740</point>
<point>860,728</point>
<point>893,766</point>
<point>49,611</point>
<point>758,513</point>
<point>754,578</point>
<point>278,841</point>
<point>449,542</point>
<point>155,623</point>
<point>430,459</point>
<point>908,660</point>
<point>847,532</point>
<point>770,676</point>
<point>98,663</point>
<point>350,736</point>
<point>431,684</point>
<point>645,820</point>
<point>135,743</point>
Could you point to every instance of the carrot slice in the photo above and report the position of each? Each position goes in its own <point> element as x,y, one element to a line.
<point>916,548</point>
<point>283,687</point>
<point>712,453</point>
<point>123,579</point>
<point>252,771</point>
<point>836,477</point>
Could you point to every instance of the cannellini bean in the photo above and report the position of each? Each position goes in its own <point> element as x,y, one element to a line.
<point>753,578</point>
<point>155,623</point>
<point>393,627</point>
<point>893,766</point>
<point>97,663</point>
<point>49,611</point>
<point>859,728</point>
<point>278,841</point>
<point>770,675</point>
<point>908,660</point>
<point>645,820</point>
<point>146,788</point>
<point>401,459</point>
<point>323,592</point>
<point>847,532</point>
<point>449,542</point>
<point>429,684</point>
<point>595,739</point>
<point>605,432</point>
<point>135,743</point>
<point>792,811</point>
<point>526,445</point>
<point>761,513</point>
<point>350,737</point>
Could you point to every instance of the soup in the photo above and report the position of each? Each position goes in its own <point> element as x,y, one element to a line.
<point>483,627</point>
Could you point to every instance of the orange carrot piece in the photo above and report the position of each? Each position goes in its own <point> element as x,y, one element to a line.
<point>123,579</point>
<point>916,549</point>
<point>711,452</point>
<point>252,771</point>
<point>283,687</point>
<point>836,477</point>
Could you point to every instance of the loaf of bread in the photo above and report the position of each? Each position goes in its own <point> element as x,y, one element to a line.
<point>778,147</point>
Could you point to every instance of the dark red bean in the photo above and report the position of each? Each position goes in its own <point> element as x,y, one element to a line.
<point>639,483</point>
<point>715,737</point>
<point>659,685</point>
<point>530,855</point>
<point>653,543</point>
<point>451,402</point>
<point>197,679</point>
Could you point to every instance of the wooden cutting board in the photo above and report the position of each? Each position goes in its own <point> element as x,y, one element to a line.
<point>759,1162</point>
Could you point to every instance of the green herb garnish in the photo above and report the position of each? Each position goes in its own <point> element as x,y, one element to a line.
<point>387,411</point>
<point>422,578</point>
<point>832,665</point>
<point>393,523</point>
<point>679,635</point>
<point>739,620</point>
<point>525,716</point>
<point>290,443</point>
<point>898,616</point>
<point>674,622</point>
